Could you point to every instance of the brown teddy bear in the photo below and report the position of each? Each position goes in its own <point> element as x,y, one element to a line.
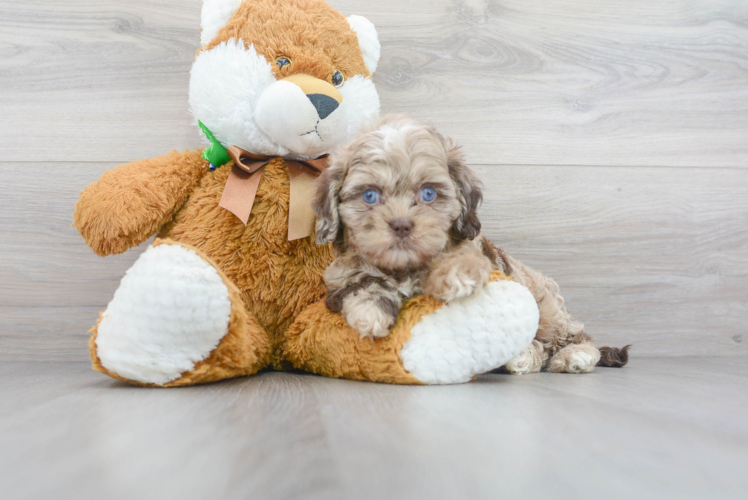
<point>233,283</point>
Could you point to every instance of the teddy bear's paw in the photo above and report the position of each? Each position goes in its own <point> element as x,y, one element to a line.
<point>367,317</point>
<point>575,358</point>
<point>171,311</point>
<point>472,336</point>
<point>530,361</point>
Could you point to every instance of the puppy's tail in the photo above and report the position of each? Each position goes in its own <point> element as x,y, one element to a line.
<point>614,357</point>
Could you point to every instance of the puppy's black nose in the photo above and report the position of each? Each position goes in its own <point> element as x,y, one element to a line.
<point>324,104</point>
<point>402,228</point>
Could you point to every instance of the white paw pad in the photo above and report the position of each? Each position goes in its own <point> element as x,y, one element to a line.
<point>170,311</point>
<point>522,364</point>
<point>473,335</point>
<point>364,315</point>
<point>575,359</point>
<point>581,362</point>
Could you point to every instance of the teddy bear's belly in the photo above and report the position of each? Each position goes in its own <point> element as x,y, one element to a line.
<point>277,278</point>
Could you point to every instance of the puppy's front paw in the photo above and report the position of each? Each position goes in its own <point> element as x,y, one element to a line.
<point>458,278</point>
<point>367,317</point>
<point>530,361</point>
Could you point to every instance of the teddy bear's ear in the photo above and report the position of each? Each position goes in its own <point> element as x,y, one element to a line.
<point>368,40</point>
<point>214,16</point>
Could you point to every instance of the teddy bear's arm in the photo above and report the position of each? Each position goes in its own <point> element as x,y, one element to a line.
<point>128,204</point>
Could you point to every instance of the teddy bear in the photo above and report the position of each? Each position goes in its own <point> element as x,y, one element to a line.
<point>233,282</point>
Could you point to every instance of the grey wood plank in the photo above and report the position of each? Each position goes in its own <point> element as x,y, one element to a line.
<point>593,82</point>
<point>295,436</point>
<point>34,384</point>
<point>710,396</point>
<point>261,436</point>
<point>534,442</point>
<point>651,256</point>
<point>57,333</point>
<point>75,75</point>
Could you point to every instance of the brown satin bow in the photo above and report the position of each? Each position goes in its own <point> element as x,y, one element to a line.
<point>244,179</point>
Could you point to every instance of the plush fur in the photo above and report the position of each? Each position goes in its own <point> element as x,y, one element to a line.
<point>243,350</point>
<point>233,79</point>
<point>176,195</point>
<point>431,342</point>
<point>253,52</point>
<point>128,204</point>
<point>214,15</point>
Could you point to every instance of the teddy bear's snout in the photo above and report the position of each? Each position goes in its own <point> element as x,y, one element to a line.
<point>303,113</point>
<point>325,98</point>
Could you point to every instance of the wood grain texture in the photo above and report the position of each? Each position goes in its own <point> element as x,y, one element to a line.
<point>657,257</point>
<point>673,428</point>
<point>650,250</point>
<point>651,256</point>
<point>593,82</point>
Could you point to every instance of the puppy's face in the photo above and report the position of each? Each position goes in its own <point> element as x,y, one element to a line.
<point>397,196</point>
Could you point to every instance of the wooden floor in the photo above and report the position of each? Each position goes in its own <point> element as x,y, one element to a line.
<point>660,428</point>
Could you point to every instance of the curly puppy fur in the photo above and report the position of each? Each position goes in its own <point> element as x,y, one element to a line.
<point>441,252</point>
<point>401,244</point>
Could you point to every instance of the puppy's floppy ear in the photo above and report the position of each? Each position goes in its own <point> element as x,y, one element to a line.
<point>469,193</point>
<point>326,200</point>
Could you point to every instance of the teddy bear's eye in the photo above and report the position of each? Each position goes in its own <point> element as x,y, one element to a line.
<point>338,78</point>
<point>282,62</point>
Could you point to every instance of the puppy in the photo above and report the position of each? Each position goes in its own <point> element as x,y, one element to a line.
<point>400,205</point>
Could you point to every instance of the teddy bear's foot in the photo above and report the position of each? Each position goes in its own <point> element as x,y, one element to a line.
<point>177,320</point>
<point>431,342</point>
<point>575,358</point>
<point>472,336</point>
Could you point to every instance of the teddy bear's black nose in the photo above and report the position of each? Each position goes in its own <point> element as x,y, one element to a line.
<point>324,104</point>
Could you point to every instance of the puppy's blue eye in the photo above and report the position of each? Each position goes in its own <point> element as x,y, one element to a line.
<point>428,194</point>
<point>371,196</point>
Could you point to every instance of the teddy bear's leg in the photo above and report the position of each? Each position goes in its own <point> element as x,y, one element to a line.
<point>177,320</point>
<point>431,342</point>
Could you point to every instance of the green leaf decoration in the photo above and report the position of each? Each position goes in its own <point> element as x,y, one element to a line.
<point>216,154</point>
